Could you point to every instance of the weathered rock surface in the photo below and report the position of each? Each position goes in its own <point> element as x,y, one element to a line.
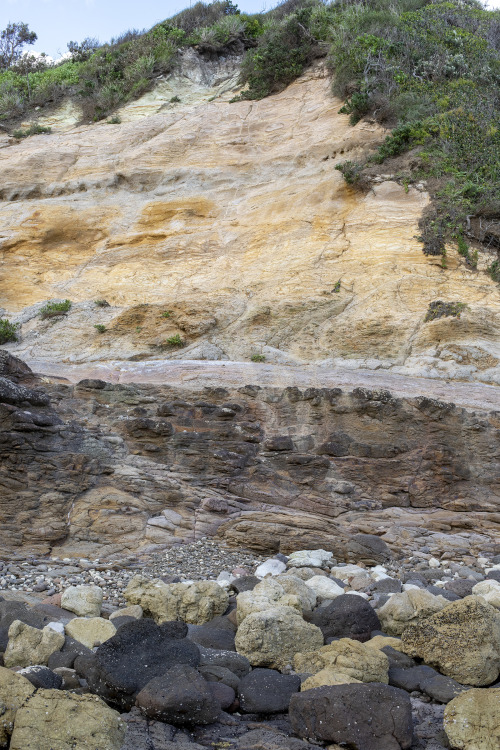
<point>472,720</point>
<point>408,608</point>
<point>29,645</point>
<point>365,717</point>
<point>14,692</point>
<point>357,660</point>
<point>84,601</point>
<point>347,616</point>
<point>53,719</point>
<point>267,691</point>
<point>195,603</point>
<point>272,637</point>
<point>462,641</point>
<point>91,631</point>
<point>284,591</point>
<point>75,472</point>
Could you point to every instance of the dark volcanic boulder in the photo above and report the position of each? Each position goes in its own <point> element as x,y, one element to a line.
<point>267,691</point>
<point>217,638</point>
<point>138,653</point>
<point>245,583</point>
<point>231,660</point>
<point>179,696</point>
<point>42,677</point>
<point>362,717</point>
<point>347,616</point>
<point>223,694</point>
<point>14,610</point>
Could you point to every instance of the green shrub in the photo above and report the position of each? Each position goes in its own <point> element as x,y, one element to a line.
<point>494,270</point>
<point>175,341</point>
<point>336,288</point>
<point>282,53</point>
<point>175,100</point>
<point>34,129</point>
<point>100,328</point>
<point>101,303</point>
<point>53,309</point>
<point>441,309</point>
<point>166,314</point>
<point>258,358</point>
<point>431,71</point>
<point>7,331</point>
<point>115,120</point>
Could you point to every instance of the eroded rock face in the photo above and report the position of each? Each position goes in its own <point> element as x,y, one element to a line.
<point>108,468</point>
<point>233,218</point>
<point>472,720</point>
<point>462,641</point>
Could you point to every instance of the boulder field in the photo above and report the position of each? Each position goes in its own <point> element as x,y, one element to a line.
<point>268,660</point>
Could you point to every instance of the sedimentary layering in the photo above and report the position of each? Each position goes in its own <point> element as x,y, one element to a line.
<point>97,468</point>
<point>230,219</point>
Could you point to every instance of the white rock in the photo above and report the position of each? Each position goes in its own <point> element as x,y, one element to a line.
<point>172,515</point>
<point>84,601</point>
<point>482,561</point>
<point>225,579</point>
<point>57,626</point>
<point>345,572</point>
<point>433,563</point>
<point>270,567</point>
<point>493,567</point>
<point>409,586</point>
<point>324,587</point>
<point>378,573</point>
<point>489,590</point>
<point>309,558</point>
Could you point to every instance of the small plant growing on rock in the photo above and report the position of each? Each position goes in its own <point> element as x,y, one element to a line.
<point>175,341</point>
<point>166,314</point>
<point>175,100</point>
<point>336,288</point>
<point>258,358</point>
<point>53,309</point>
<point>441,309</point>
<point>494,270</point>
<point>101,303</point>
<point>34,129</point>
<point>7,331</point>
<point>115,120</point>
<point>100,328</point>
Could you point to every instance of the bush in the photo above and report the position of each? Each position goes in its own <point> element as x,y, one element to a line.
<point>432,71</point>
<point>494,270</point>
<point>441,309</point>
<point>258,358</point>
<point>34,129</point>
<point>100,328</point>
<point>175,341</point>
<point>8,331</point>
<point>53,309</point>
<point>101,303</point>
<point>282,53</point>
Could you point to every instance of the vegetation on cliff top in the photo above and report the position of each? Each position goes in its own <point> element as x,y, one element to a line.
<point>426,69</point>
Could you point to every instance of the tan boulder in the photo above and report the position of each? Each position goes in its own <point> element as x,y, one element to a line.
<point>381,641</point>
<point>56,720</point>
<point>472,720</point>
<point>84,601</point>
<point>194,603</point>
<point>327,676</point>
<point>408,608</point>
<point>462,641</point>
<point>348,657</point>
<point>272,637</point>
<point>27,645</point>
<point>14,692</point>
<point>133,611</point>
<point>283,591</point>
<point>489,590</point>
<point>91,631</point>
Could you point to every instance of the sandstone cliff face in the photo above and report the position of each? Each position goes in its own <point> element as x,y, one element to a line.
<point>232,219</point>
<point>98,468</point>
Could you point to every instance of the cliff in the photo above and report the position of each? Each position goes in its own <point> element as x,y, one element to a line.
<point>225,228</point>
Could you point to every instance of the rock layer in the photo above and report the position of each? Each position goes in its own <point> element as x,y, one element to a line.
<point>232,219</point>
<point>107,468</point>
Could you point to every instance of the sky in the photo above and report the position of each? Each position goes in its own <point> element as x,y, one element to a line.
<point>58,21</point>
